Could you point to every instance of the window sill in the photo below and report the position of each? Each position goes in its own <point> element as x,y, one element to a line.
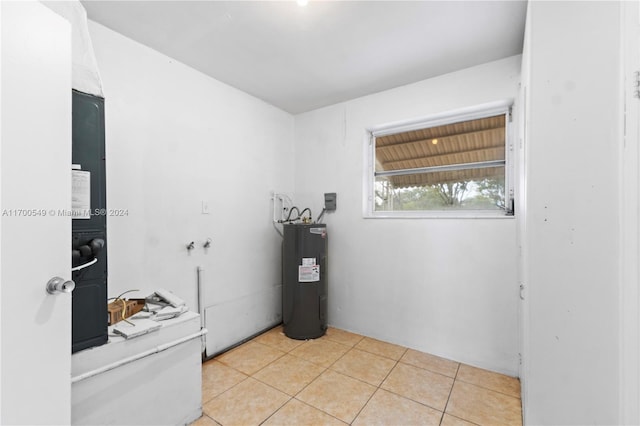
<point>468,214</point>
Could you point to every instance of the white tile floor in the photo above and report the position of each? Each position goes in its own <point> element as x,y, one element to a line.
<point>345,378</point>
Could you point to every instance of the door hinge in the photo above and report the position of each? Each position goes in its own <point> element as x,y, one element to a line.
<point>510,114</point>
<point>636,84</point>
<point>521,291</point>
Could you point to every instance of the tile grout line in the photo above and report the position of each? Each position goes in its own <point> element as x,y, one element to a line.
<point>331,341</point>
<point>262,344</point>
<point>313,380</point>
<point>270,362</point>
<point>444,411</point>
<point>346,344</point>
<point>432,371</point>
<point>358,379</point>
<point>429,371</point>
<point>277,409</point>
<point>254,378</point>
<point>460,418</point>
<point>399,361</point>
<point>273,387</point>
<point>383,356</point>
<point>351,348</point>
<point>489,389</point>
<point>379,385</point>
<point>220,394</point>
<point>318,376</point>
<point>212,419</point>
<point>316,408</point>
<point>233,386</point>
<point>311,362</point>
<point>412,400</point>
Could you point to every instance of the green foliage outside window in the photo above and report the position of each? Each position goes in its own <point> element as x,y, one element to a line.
<point>483,194</point>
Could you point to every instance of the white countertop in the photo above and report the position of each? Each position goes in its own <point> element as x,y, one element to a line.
<point>118,347</point>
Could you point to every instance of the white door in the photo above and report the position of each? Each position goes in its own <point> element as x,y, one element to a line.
<point>35,235</point>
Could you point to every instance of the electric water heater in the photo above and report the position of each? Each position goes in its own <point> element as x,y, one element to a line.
<point>304,273</point>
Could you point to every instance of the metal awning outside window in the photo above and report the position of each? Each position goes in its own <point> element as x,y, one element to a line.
<point>473,149</point>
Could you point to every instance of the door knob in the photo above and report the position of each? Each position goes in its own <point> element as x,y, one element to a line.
<point>59,285</point>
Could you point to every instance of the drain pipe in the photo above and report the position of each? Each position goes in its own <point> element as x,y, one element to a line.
<point>199,279</point>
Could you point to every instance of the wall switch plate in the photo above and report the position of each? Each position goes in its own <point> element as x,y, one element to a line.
<point>330,201</point>
<point>205,207</point>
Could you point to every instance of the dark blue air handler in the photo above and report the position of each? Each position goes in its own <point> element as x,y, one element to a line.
<point>89,235</point>
<point>304,273</point>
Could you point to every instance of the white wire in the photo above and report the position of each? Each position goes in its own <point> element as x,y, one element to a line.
<point>84,265</point>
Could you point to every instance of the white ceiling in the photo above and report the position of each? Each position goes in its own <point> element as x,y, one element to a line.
<point>302,58</point>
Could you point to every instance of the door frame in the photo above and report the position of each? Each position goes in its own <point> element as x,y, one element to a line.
<point>629,230</point>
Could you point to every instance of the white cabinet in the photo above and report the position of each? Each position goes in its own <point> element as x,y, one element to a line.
<point>154,379</point>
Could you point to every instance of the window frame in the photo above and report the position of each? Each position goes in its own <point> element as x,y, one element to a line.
<point>454,116</point>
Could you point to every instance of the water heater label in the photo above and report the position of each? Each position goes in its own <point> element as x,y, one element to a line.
<point>319,231</point>
<point>308,261</point>
<point>308,274</point>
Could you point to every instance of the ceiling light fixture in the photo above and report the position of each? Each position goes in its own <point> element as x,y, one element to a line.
<point>302,3</point>
<point>435,141</point>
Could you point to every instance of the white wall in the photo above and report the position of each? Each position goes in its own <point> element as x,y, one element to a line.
<point>445,286</point>
<point>571,234</point>
<point>175,138</point>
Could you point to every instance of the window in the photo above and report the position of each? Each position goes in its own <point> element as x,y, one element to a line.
<point>454,164</point>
